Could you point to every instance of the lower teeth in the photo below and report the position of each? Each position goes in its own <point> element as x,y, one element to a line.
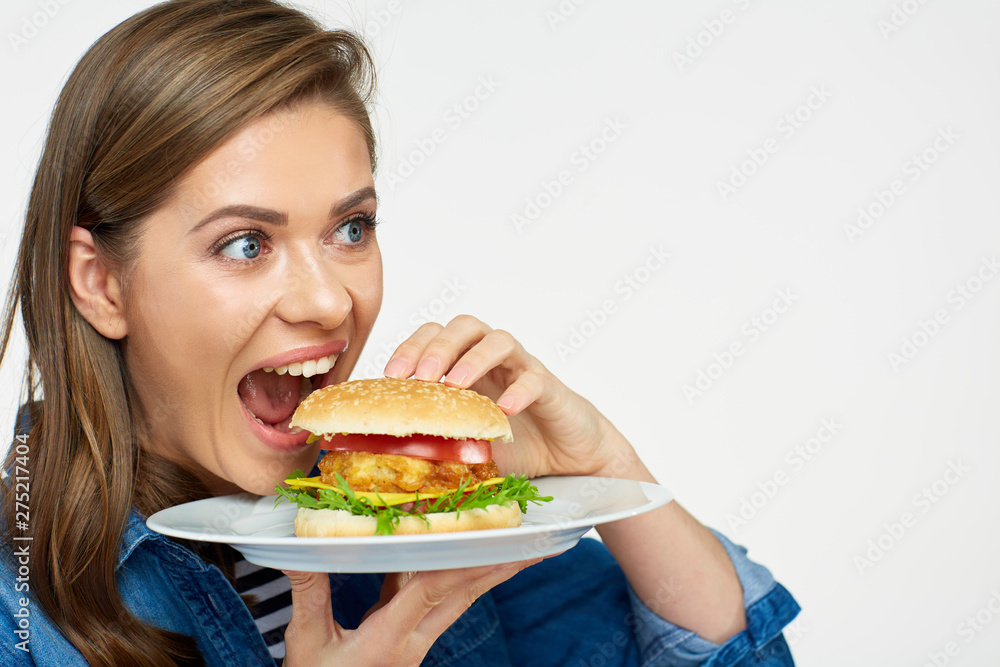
<point>292,429</point>
<point>256,418</point>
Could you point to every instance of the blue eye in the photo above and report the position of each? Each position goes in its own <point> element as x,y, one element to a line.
<point>244,247</point>
<point>353,232</point>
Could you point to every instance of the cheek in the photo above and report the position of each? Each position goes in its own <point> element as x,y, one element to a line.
<point>188,318</point>
<point>184,330</point>
<point>367,304</point>
<point>367,295</point>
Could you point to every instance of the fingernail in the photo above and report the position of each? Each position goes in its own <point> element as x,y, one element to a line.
<point>396,367</point>
<point>428,370</point>
<point>457,375</point>
<point>506,402</point>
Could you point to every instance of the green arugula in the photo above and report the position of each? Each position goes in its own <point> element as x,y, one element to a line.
<point>513,487</point>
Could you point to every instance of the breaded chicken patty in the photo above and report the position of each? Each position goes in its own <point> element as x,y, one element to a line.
<point>392,473</point>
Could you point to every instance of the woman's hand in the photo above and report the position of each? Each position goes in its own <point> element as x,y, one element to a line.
<point>413,611</point>
<point>556,431</point>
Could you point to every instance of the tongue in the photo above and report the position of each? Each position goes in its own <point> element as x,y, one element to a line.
<point>272,398</point>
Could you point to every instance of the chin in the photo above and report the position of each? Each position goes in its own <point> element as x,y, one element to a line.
<point>261,476</point>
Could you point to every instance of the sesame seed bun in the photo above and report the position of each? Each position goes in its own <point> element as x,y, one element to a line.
<point>389,406</point>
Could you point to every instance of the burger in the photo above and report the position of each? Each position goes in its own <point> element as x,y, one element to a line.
<point>404,457</point>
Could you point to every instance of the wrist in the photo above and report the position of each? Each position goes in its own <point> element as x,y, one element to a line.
<point>624,462</point>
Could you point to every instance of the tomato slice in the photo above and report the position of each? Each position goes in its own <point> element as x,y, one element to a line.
<point>418,446</point>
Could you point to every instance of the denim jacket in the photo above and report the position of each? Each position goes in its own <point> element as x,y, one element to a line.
<point>574,610</point>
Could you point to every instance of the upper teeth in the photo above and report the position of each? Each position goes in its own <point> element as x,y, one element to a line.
<point>306,368</point>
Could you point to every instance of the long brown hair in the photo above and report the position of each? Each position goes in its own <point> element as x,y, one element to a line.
<point>147,102</point>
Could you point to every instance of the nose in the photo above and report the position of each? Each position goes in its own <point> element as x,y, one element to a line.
<point>311,291</point>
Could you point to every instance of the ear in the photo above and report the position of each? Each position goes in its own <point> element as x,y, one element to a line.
<point>95,289</point>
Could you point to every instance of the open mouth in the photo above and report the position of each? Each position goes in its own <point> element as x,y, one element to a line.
<point>270,395</point>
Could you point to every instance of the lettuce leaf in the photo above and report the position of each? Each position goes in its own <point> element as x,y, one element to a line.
<point>513,487</point>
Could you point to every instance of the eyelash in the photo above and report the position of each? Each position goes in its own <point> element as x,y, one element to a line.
<point>369,220</point>
<point>370,223</point>
<point>226,240</point>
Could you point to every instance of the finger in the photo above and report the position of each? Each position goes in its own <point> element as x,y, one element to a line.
<point>312,625</point>
<point>420,594</point>
<point>497,349</point>
<point>430,602</point>
<point>443,615</point>
<point>441,351</point>
<point>516,378</point>
<point>399,628</point>
<point>390,586</point>
<point>403,361</point>
<point>529,387</point>
<point>403,612</point>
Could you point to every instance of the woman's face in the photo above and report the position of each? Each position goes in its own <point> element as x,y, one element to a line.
<point>265,258</point>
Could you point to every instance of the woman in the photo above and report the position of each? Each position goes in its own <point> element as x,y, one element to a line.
<point>205,208</point>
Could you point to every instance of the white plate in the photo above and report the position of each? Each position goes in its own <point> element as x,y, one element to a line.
<point>265,535</point>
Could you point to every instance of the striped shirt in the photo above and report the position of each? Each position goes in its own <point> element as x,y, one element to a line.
<point>271,605</point>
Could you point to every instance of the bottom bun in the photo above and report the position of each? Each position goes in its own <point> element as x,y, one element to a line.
<point>341,523</point>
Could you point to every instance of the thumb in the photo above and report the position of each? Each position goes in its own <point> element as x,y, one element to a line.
<point>312,625</point>
<point>390,586</point>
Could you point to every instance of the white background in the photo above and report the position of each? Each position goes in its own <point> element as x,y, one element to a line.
<point>885,81</point>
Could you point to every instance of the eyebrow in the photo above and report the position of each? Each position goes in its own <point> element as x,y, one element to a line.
<point>279,218</point>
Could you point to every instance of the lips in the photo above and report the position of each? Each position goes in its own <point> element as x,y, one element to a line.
<point>271,393</point>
